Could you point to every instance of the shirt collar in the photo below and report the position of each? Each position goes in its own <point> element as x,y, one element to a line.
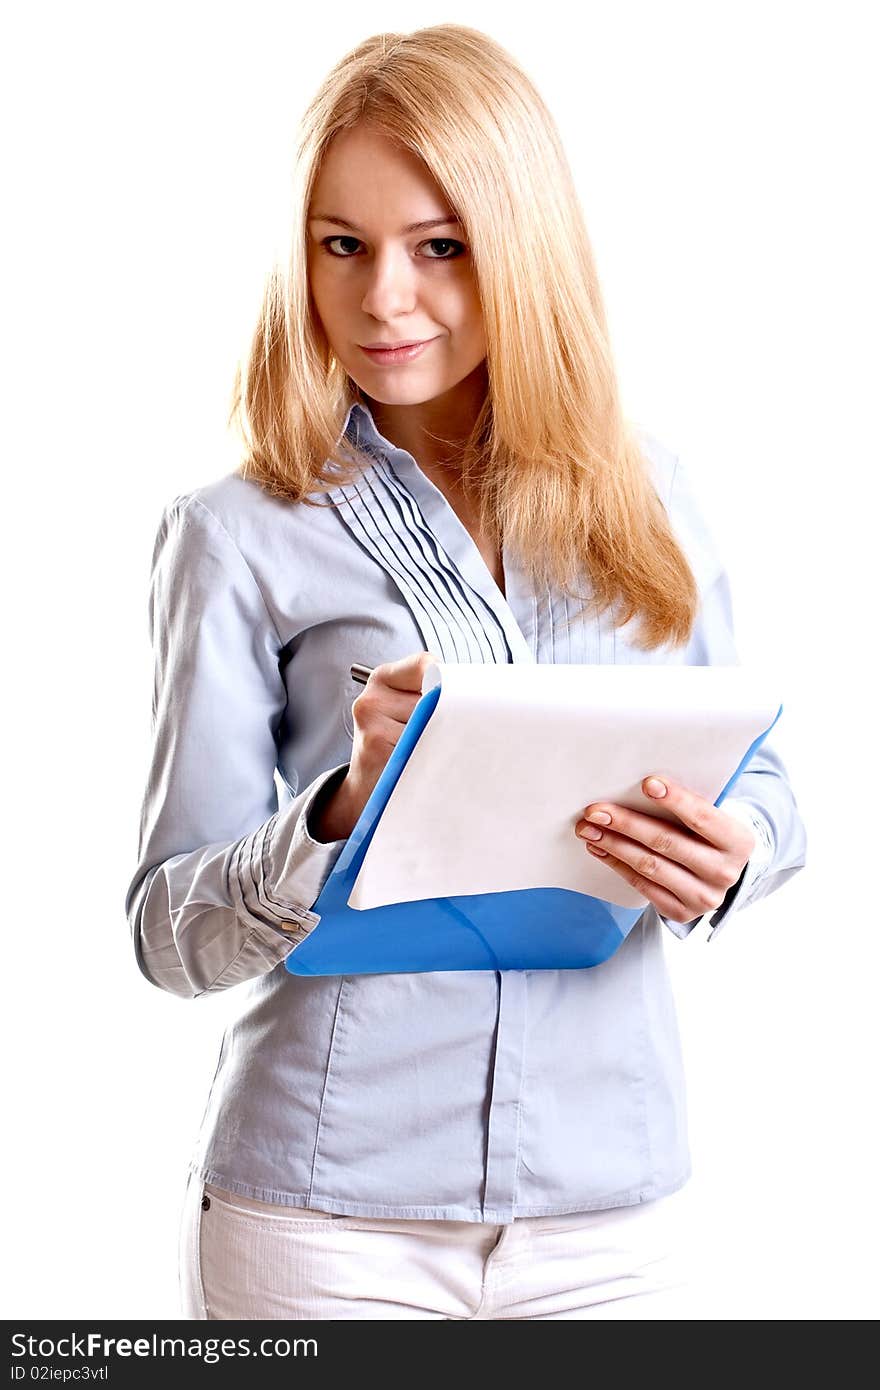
<point>360,428</point>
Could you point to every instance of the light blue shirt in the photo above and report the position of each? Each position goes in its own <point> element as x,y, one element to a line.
<point>472,1095</point>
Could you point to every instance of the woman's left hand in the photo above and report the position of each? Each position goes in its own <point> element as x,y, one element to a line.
<point>684,871</point>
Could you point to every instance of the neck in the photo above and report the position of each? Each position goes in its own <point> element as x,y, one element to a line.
<point>435,431</point>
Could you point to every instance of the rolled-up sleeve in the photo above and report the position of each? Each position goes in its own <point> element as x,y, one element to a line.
<point>226,879</point>
<point>761,796</point>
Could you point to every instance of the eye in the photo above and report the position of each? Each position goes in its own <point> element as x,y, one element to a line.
<point>326,245</point>
<point>445,241</point>
<point>458,247</point>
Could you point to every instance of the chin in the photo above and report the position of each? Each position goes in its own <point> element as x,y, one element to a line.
<point>401,393</point>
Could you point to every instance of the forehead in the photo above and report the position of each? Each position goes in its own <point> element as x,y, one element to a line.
<point>366,176</point>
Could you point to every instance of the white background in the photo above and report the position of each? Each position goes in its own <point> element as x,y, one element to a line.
<point>724,158</point>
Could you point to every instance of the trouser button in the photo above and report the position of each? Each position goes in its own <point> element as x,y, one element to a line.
<point>206,1203</point>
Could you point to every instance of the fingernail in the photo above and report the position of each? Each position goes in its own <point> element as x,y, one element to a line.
<point>600,817</point>
<point>654,787</point>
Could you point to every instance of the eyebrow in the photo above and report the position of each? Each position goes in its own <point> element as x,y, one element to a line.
<point>413,226</point>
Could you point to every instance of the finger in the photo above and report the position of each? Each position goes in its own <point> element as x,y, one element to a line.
<point>655,870</point>
<point>700,815</point>
<point>706,820</point>
<point>380,735</point>
<point>405,674</point>
<point>377,701</point>
<point>659,896</point>
<point>662,837</point>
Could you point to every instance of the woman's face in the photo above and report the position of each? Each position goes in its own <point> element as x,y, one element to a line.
<point>373,281</point>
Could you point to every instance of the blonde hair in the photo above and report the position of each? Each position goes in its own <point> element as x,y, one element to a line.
<point>556,471</point>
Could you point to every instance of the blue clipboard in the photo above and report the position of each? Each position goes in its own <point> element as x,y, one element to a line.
<point>524,929</point>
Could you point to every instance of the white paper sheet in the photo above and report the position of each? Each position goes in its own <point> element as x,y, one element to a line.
<point>490,795</point>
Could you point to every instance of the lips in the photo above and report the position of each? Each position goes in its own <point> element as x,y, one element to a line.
<point>388,356</point>
<point>392,347</point>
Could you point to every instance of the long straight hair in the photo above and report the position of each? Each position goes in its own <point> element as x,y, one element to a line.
<point>555,470</point>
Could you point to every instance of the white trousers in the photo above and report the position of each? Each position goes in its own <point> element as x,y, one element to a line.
<point>245,1259</point>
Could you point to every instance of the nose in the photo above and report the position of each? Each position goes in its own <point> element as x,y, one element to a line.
<point>390,290</point>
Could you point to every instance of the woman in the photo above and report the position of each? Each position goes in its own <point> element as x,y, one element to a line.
<point>456,1144</point>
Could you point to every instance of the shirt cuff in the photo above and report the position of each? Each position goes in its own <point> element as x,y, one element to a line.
<point>754,869</point>
<point>281,868</point>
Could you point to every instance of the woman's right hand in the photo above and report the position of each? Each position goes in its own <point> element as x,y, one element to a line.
<point>379,715</point>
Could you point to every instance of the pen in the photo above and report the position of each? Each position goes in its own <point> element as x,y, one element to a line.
<point>360,673</point>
